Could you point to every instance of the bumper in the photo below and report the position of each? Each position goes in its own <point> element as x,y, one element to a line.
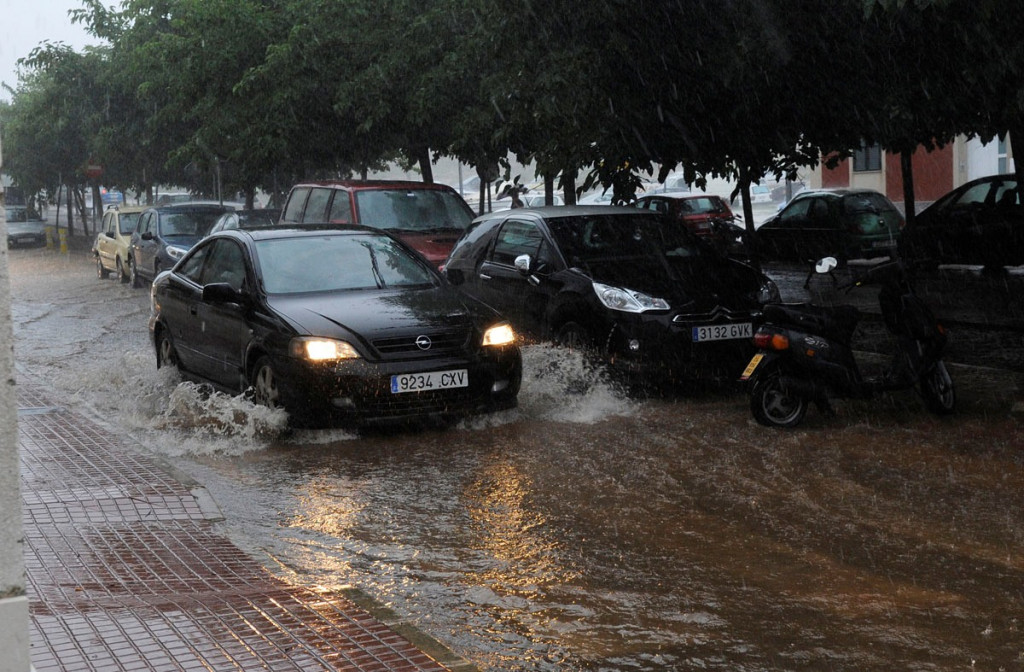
<point>361,391</point>
<point>664,348</point>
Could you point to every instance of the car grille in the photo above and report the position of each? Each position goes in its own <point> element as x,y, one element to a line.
<point>713,316</point>
<point>446,341</point>
<point>419,403</point>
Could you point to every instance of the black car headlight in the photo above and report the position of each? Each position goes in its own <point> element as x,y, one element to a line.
<point>315,349</point>
<point>498,335</point>
<point>628,300</point>
<point>175,252</point>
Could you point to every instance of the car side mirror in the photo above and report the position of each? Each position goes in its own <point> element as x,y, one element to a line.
<point>524,264</point>
<point>222,292</point>
<point>454,276</point>
<point>148,235</point>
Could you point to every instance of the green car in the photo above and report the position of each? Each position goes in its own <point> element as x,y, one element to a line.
<point>843,223</point>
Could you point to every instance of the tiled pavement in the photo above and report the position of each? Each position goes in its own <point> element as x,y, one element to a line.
<point>124,572</point>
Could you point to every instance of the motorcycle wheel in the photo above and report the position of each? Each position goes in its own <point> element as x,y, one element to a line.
<point>938,391</point>
<point>774,406</point>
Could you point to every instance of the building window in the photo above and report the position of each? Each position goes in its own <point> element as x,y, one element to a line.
<point>867,158</point>
<point>1003,165</point>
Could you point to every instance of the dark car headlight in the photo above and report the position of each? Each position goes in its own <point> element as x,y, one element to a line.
<point>628,300</point>
<point>315,349</point>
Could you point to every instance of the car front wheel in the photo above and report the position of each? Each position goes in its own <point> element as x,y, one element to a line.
<point>133,273</point>
<point>264,384</point>
<point>101,272</point>
<point>122,273</point>
<point>165,352</point>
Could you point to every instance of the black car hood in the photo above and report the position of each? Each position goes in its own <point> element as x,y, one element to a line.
<point>687,283</point>
<point>373,314</point>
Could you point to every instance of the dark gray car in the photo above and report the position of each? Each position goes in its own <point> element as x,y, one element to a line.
<point>165,233</point>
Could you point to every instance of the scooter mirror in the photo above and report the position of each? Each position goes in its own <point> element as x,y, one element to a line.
<point>826,265</point>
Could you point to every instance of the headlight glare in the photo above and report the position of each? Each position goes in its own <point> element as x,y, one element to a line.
<point>628,300</point>
<point>500,334</point>
<point>322,349</point>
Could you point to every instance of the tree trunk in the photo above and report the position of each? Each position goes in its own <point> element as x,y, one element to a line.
<point>749,237</point>
<point>426,168</point>
<point>549,190</point>
<point>907,168</point>
<point>70,207</point>
<point>569,186</point>
<point>1017,131</point>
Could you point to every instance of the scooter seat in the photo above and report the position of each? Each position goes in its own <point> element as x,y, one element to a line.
<point>835,322</point>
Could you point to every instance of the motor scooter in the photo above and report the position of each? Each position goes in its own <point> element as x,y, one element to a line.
<point>804,352</point>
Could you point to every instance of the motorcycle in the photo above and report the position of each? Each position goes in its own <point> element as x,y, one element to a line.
<point>804,352</point>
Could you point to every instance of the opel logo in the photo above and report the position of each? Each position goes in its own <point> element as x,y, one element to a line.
<point>423,342</point>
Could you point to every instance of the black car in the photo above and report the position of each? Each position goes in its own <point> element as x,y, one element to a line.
<point>165,233</point>
<point>332,325</point>
<point>978,223</point>
<point>842,223</point>
<point>638,289</point>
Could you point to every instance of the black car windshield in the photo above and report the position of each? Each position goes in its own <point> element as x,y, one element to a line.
<point>590,238</point>
<point>412,210</point>
<point>187,223</point>
<point>333,263</point>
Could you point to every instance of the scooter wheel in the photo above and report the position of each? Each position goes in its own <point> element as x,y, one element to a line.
<point>938,391</point>
<point>775,406</point>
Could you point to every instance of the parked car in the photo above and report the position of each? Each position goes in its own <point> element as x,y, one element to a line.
<point>257,218</point>
<point>979,223</point>
<point>634,288</point>
<point>24,228</point>
<point>706,215</point>
<point>429,217</point>
<point>844,223</point>
<point>112,247</point>
<point>760,193</point>
<point>164,234</point>
<point>332,325</point>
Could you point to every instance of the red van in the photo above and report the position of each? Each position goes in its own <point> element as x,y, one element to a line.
<point>428,217</point>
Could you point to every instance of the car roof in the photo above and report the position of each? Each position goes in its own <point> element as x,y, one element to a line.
<point>680,196</point>
<point>553,211</point>
<point>836,191</point>
<point>189,207</point>
<point>375,185</point>
<point>301,231</point>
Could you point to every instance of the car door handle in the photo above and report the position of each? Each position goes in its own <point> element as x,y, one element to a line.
<point>484,276</point>
<point>192,310</point>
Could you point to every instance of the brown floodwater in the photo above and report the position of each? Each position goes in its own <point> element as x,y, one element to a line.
<point>588,531</point>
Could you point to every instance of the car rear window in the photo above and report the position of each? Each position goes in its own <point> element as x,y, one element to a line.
<point>861,203</point>
<point>412,210</point>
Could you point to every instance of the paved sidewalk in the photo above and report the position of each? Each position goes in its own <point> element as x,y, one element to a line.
<point>125,571</point>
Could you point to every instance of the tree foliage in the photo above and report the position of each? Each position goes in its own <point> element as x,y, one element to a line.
<point>265,92</point>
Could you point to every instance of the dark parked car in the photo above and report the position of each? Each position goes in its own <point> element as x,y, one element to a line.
<point>23,228</point>
<point>332,324</point>
<point>843,223</point>
<point>429,217</point>
<point>980,222</point>
<point>637,289</point>
<point>164,234</point>
<point>258,218</point>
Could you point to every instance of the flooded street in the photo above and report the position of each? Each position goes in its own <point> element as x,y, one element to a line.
<point>585,530</point>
